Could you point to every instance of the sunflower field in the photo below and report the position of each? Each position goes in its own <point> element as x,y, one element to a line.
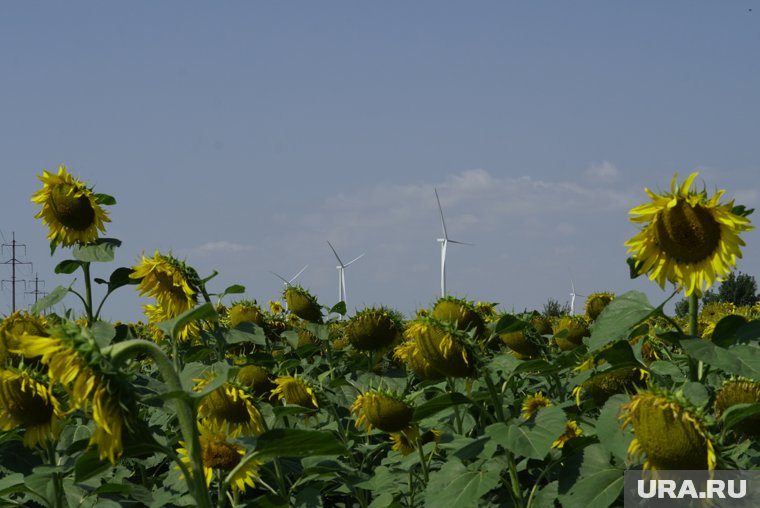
<point>217,400</point>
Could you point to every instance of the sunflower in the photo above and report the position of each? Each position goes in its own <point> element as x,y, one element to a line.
<point>172,283</point>
<point>459,312</point>
<point>157,314</point>
<point>219,454</point>
<point>410,353</point>
<point>17,324</point>
<point>303,304</point>
<point>442,346</point>
<point>596,302</point>
<point>275,307</point>
<point>533,403</point>
<point>230,408</point>
<point>70,361</point>
<point>687,238</point>
<point>668,432</point>
<point>245,312</point>
<point>571,430</point>
<point>740,391</point>
<point>405,441</point>
<point>27,403</point>
<point>295,390</point>
<point>70,210</point>
<point>386,412</point>
<point>373,329</point>
<point>604,385</point>
<point>256,379</point>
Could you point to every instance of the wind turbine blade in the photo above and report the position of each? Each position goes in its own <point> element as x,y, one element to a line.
<point>336,254</point>
<point>443,223</point>
<point>299,273</point>
<point>283,279</point>
<point>355,259</point>
<point>460,243</point>
<point>572,287</point>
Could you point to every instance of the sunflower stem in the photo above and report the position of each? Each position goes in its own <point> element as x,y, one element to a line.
<point>423,463</point>
<point>514,480</point>
<point>87,291</point>
<point>694,332</point>
<point>497,402</point>
<point>183,406</point>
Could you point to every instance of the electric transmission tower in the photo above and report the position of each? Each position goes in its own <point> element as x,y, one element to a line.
<point>13,261</point>
<point>37,292</point>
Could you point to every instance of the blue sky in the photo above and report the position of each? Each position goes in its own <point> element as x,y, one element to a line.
<point>244,135</point>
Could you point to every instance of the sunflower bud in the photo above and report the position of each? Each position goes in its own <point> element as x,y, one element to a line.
<point>373,329</point>
<point>303,304</point>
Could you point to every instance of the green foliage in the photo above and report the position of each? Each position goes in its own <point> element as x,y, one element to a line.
<point>552,308</point>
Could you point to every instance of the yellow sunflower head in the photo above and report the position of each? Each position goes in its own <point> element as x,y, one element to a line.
<point>221,455</point>
<point>230,408</point>
<point>245,312</point>
<point>303,304</point>
<point>382,410</point>
<point>15,325</point>
<point>171,282</point>
<point>405,441</point>
<point>256,379</point>
<point>596,302</point>
<point>669,432</point>
<point>459,312</point>
<point>442,346</point>
<point>533,403</point>
<point>605,384</point>
<point>569,332</point>
<point>373,329</point>
<point>740,391</point>
<point>687,237</point>
<point>571,430</point>
<point>410,353</point>
<point>294,390</point>
<point>72,213</point>
<point>26,402</point>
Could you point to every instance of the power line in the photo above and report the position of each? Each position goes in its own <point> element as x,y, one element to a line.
<point>13,261</point>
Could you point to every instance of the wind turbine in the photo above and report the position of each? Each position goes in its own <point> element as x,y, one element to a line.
<point>285,281</point>
<point>342,273</point>
<point>444,242</point>
<point>573,294</point>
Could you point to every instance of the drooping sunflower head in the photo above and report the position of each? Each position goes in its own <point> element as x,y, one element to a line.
<point>219,454</point>
<point>687,237</point>
<point>230,408</point>
<point>72,213</point>
<point>569,332</point>
<point>541,324</point>
<point>373,329</point>
<point>245,312</point>
<point>28,403</point>
<point>171,282</point>
<point>461,313</point>
<point>605,384</point>
<point>256,379</point>
<point>303,304</point>
<point>572,430</point>
<point>739,391</point>
<point>405,441</point>
<point>16,325</point>
<point>443,346</point>
<point>411,354</point>
<point>523,340</point>
<point>669,432</point>
<point>487,311</point>
<point>294,390</point>
<point>385,411</point>
<point>596,302</point>
<point>533,403</point>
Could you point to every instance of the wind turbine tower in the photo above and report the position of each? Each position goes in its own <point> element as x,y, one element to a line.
<point>444,243</point>
<point>342,274</point>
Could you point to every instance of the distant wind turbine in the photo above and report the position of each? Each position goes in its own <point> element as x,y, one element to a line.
<point>444,242</point>
<point>573,294</point>
<point>285,281</point>
<point>342,273</point>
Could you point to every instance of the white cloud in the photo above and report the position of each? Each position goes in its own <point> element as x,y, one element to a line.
<point>604,171</point>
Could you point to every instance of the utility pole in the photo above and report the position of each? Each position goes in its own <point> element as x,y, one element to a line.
<point>37,293</point>
<point>13,261</point>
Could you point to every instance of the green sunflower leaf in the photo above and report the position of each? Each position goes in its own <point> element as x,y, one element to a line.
<point>739,412</point>
<point>339,308</point>
<point>297,443</point>
<point>533,438</point>
<point>104,199</point>
<point>172,327</point>
<point>102,251</point>
<point>121,277</point>
<point>456,485</point>
<point>235,289</point>
<point>437,404</point>
<point>49,300</point>
<point>741,360</point>
<point>619,317</point>
<point>67,266</point>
